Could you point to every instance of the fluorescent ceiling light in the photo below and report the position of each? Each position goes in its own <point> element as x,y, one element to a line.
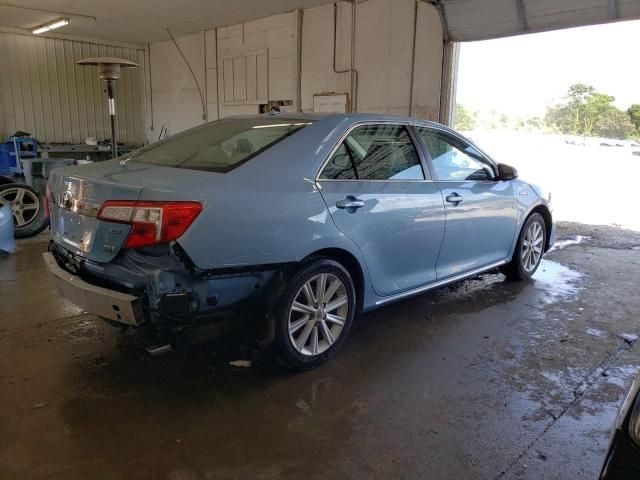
<point>51,26</point>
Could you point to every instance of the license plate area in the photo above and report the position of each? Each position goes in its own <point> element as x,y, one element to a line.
<point>75,230</point>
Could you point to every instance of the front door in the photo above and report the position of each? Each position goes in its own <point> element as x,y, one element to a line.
<point>378,195</point>
<point>480,210</point>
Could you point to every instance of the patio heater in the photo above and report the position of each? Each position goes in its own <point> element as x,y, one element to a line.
<point>109,69</point>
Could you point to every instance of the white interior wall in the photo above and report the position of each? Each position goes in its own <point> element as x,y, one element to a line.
<point>175,99</point>
<point>384,43</point>
<point>230,58</point>
<point>275,34</point>
<point>318,75</point>
<point>383,56</point>
<point>428,64</point>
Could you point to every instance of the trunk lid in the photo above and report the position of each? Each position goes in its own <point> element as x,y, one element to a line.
<point>78,193</point>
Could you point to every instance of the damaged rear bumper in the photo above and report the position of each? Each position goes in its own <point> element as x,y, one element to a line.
<point>109,304</point>
<point>160,288</point>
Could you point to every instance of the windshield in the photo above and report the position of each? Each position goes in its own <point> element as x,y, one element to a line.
<point>218,146</point>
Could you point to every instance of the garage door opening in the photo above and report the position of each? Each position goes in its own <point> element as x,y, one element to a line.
<point>562,107</point>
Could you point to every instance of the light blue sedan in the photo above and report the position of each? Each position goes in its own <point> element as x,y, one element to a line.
<point>310,219</point>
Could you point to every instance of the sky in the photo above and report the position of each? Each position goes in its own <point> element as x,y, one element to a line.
<point>520,76</point>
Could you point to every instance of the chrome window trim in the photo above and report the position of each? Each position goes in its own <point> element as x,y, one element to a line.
<point>394,180</point>
<point>361,123</point>
<point>469,181</point>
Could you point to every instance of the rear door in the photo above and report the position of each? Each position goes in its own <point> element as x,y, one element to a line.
<point>480,210</point>
<point>380,195</point>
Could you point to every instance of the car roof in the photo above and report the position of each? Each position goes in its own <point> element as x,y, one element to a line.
<point>340,117</point>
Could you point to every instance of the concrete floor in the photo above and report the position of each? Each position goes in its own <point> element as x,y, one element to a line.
<point>485,379</point>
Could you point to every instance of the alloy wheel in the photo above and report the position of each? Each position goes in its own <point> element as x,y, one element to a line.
<point>317,314</point>
<point>532,244</point>
<point>25,204</point>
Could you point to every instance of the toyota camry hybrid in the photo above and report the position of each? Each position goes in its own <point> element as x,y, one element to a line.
<point>310,219</point>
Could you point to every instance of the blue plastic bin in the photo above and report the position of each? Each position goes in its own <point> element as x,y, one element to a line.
<point>7,161</point>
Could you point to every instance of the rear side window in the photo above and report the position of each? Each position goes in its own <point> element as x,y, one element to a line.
<point>375,152</point>
<point>218,146</point>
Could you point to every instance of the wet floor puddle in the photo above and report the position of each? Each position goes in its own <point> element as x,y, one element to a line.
<point>82,329</point>
<point>551,365</point>
<point>556,282</point>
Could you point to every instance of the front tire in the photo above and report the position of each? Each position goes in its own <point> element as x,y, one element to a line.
<point>529,249</point>
<point>314,314</point>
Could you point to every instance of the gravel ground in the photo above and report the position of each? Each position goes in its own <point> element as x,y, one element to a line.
<point>604,236</point>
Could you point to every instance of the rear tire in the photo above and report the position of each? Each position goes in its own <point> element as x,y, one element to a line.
<point>314,314</point>
<point>29,215</point>
<point>529,249</point>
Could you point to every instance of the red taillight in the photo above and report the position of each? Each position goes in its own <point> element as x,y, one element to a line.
<point>152,222</point>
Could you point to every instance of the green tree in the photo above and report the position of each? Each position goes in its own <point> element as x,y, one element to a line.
<point>598,106</point>
<point>535,123</point>
<point>634,116</point>
<point>586,111</point>
<point>504,121</point>
<point>465,120</point>
<point>614,124</point>
<point>571,116</point>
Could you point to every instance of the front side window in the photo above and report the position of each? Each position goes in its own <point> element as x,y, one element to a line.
<point>375,152</point>
<point>218,146</point>
<point>453,159</point>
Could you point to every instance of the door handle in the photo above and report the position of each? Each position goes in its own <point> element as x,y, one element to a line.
<point>350,203</point>
<point>454,198</point>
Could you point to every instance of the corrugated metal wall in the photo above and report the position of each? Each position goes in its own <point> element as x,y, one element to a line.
<point>43,91</point>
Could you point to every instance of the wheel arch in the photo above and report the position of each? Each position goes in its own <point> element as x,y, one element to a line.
<point>5,180</point>
<point>544,211</point>
<point>348,261</point>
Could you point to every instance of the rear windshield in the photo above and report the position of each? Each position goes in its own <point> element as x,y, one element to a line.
<point>218,146</point>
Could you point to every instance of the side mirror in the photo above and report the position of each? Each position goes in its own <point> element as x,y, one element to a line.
<point>506,172</point>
